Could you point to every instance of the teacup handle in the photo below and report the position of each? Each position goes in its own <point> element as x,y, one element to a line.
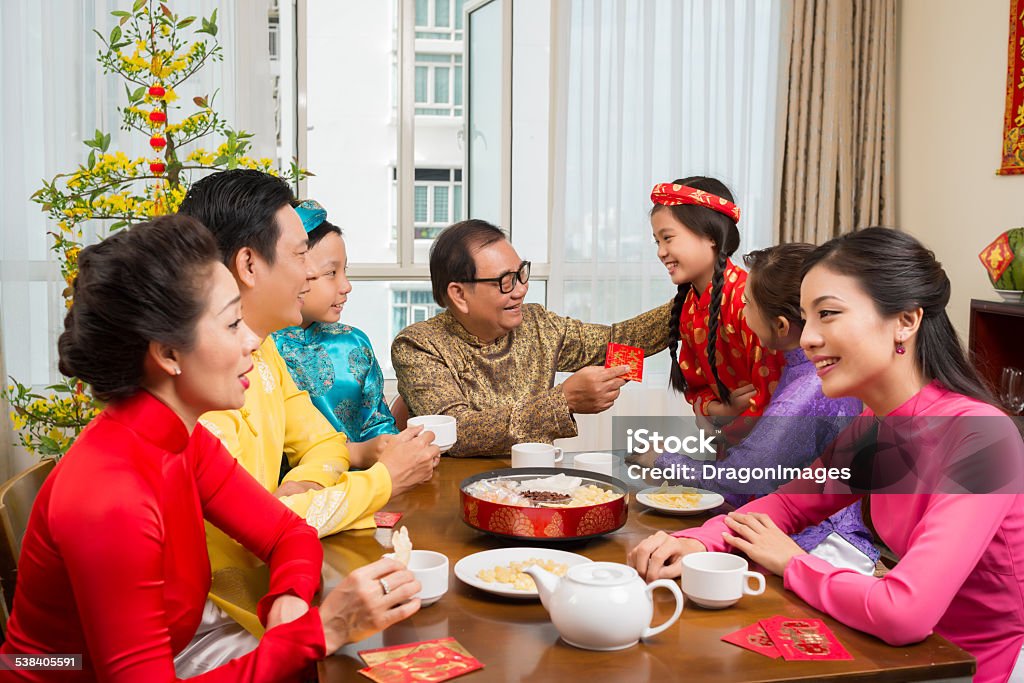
<point>674,589</point>
<point>759,578</point>
<point>558,458</point>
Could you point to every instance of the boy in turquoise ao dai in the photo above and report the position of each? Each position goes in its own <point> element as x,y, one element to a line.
<point>334,362</point>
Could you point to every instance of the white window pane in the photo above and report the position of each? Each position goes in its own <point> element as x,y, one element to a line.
<point>442,9</point>
<point>458,13</point>
<point>458,86</point>
<point>485,160</point>
<point>421,83</point>
<point>420,204</point>
<point>456,203</point>
<point>422,13</point>
<point>353,149</point>
<point>438,141</point>
<point>441,76</point>
<point>440,204</point>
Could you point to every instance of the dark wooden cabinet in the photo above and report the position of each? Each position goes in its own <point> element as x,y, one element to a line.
<point>997,338</point>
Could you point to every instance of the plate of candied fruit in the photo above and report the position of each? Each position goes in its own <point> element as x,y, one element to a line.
<point>500,571</point>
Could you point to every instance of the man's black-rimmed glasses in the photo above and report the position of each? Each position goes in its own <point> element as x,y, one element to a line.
<point>507,281</point>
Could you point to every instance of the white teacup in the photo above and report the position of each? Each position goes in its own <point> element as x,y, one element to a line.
<point>431,569</point>
<point>602,463</point>
<point>535,455</point>
<point>443,426</point>
<point>718,580</point>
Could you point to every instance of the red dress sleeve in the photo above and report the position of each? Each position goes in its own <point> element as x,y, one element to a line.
<point>118,576</point>
<point>240,507</point>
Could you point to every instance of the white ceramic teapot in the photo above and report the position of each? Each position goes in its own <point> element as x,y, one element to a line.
<point>602,605</point>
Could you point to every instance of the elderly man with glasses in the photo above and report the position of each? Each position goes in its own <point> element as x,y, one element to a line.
<point>489,360</point>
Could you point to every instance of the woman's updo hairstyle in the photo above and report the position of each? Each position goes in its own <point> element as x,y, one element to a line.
<point>143,284</point>
<point>901,274</point>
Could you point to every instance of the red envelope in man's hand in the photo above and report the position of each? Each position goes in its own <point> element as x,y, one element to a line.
<point>620,354</point>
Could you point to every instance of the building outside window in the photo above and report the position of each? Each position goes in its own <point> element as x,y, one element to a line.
<point>410,113</point>
<point>437,198</point>
<point>411,304</point>
<point>438,84</point>
<point>439,19</point>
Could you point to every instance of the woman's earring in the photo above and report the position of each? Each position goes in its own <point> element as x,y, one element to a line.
<point>177,371</point>
<point>900,348</point>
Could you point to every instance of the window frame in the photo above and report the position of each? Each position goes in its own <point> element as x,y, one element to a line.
<point>405,268</point>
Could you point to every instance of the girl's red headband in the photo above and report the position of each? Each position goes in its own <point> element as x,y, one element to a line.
<point>670,194</point>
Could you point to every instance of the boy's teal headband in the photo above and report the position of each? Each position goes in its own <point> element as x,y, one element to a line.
<point>312,214</point>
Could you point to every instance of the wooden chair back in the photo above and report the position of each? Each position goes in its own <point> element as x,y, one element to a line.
<point>400,412</point>
<point>17,495</point>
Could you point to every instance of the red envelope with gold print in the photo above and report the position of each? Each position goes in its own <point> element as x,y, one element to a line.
<point>804,639</point>
<point>386,520</point>
<point>620,354</point>
<point>755,639</point>
<point>383,654</point>
<point>425,663</point>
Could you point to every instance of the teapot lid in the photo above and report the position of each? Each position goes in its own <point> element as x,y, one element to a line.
<point>602,573</point>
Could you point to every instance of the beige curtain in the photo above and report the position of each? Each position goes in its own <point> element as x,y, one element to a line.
<point>839,152</point>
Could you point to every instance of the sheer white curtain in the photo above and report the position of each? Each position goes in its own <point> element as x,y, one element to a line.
<point>54,97</point>
<point>647,91</point>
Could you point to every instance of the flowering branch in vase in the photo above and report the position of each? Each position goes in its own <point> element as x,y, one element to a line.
<point>153,51</point>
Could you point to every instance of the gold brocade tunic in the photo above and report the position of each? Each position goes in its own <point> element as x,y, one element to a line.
<point>503,393</point>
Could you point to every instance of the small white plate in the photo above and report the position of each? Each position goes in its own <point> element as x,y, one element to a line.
<point>1013,296</point>
<point>708,501</point>
<point>468,567</point>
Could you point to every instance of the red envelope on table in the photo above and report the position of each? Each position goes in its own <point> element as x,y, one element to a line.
<point>804,639</point>
<point>425,663</point>
<point>620,354</point>
<point>386,520</point>
<point>755,639</point>
<point>383,654</point>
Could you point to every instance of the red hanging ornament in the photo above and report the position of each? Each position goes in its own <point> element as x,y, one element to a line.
<point>157,116</point>
<point>157,91</point>
<point>157,142</point>
<point>157,167</point>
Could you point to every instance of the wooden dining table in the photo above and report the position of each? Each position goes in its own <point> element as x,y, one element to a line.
<point>516,641</point>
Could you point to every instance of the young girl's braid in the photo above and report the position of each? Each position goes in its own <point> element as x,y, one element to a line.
<point>676,377</point>
<point>714,311</point>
